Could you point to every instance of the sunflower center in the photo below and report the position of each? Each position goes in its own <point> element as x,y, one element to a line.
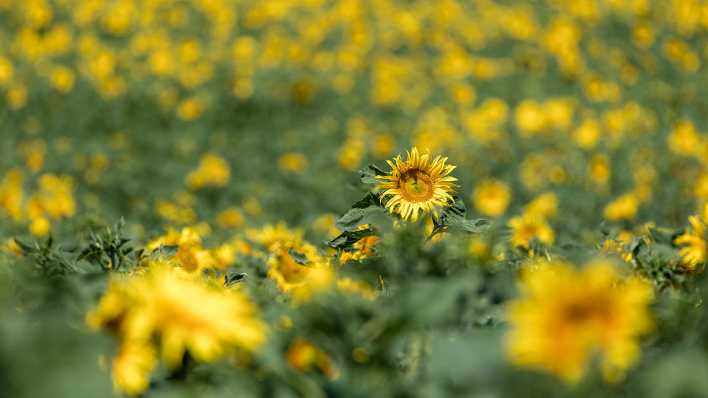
<point>586,310</point>
<point>578,312</point>
<point>416,186</point>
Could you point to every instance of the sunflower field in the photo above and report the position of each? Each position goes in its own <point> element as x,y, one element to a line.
<point>353,198</point>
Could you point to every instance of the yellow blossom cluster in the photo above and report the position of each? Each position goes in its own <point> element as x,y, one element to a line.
<point>163,311</point>
<point>563,118</point>
<point>52,200</point>
<point>298,268</point>
<point>191,253</point>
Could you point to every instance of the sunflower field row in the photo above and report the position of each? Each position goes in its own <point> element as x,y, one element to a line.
<point>353,198</point>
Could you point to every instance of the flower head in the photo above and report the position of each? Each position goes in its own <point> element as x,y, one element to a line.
<point>528,227</point>
<point>544,205</point>
<point>694,250</point>
<point>417,185</point>
<point>273,236</point>
<point>300,280</point>
<point>163,310</point>
<point>191,255</point>
<point>303,356</point>
<point>213,171</point>
<point>623,208</point>
<point>565,315</point>
<point>492,197</point>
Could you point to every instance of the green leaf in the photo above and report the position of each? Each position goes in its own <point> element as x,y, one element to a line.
<point>298,257</point>
<point>166,250</point>
<point>26,249</point>
<point>347,239</point>
<point>368,176</point>
<point>452,219</point>
<point>233,277</point>
<point>361,212</point>
<point>371,199</point>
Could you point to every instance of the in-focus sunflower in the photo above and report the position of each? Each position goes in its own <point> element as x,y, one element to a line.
<point>417,185</point>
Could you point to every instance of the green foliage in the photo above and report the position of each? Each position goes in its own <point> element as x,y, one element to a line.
<point>334,82</point>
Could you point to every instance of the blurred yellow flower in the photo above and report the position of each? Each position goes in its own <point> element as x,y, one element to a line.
<point>302,281</point>
<point>694,248</point>
<point>274,236</point>
<point>11,247</point>
<point>623,208</point>
<point>558,113</point>
<point>684,139</point>
<point>303,356</point>
<point>528,227</point>
<point>565,315</point>
<point>54,198</point>
<point>587,134</point>
<point>491,197</point>
<point>544,205</point>
<point>190,109</point>
<point>6,71</point>
<point>349,285</point>
<point>17,96</point>
<point>478,247</point>
<point>190,253</point>
<point>175,212</point>
<point>132,366</point>
<point>383,145</point>
<point>12,194</point>
<point>530,118</point>
<point>600,169</point>
<point>40,226</point>
<point>486,122</point>
<point>362,249</point>
<point>165,310</point>
<point>252,207</point>
<point>230,218</point>
<point>535,171</point>
<point>213,171</point>
<point>351,152</point>
<point>62,79</point>
<point>326,224</point>
<point>293,162</point>
<point>34,153</point>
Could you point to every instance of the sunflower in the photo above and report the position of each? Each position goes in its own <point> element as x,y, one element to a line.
<point>492,197</point>
<point>694,248</point>
<point>417,185</point>
<point>163,311</point>
<point>566,316</point>
<point>527,227</point>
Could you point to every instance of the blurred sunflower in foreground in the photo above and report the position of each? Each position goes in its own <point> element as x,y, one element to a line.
<point>417,185</point>
<point>566,315</point>
<point>167,311</point>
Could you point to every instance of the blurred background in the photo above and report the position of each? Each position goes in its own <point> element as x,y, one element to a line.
<point>239,113</point>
